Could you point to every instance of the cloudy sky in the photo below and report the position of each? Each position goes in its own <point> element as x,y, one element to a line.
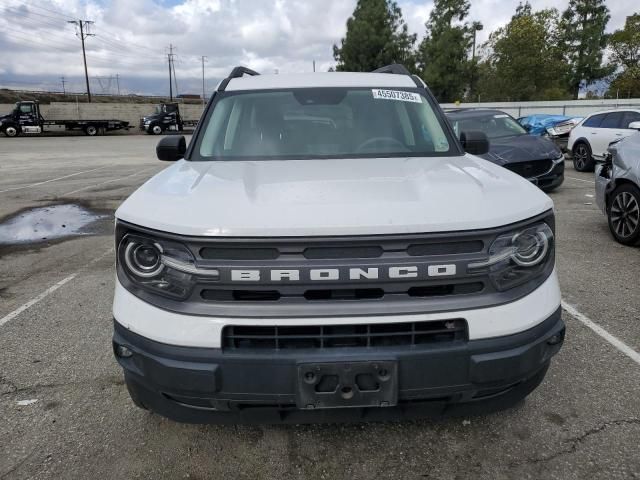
<point>38,46</point>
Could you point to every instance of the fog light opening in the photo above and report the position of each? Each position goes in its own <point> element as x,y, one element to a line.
<point>123,352</point>
<point>555,339</point>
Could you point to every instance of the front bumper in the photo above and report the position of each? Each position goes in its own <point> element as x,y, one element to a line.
<point>552,179</point>
<point>603,186</point>
<point>210,385</point>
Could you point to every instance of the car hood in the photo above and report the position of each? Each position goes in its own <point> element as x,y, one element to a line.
<point>521,148</point>
<point>332,197</point>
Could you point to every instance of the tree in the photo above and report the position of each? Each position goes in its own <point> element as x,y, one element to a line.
<point>625,56</point>
<point>376,36</point>
<point>523,62</point>
<point>625,43</point>
<point>443,54</point>
<point>583,41</point>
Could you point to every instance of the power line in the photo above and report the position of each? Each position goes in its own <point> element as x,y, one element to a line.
<point>83,25</point>
<point>56,12</point>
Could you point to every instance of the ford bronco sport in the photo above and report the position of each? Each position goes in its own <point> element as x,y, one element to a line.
<point>326,249</point>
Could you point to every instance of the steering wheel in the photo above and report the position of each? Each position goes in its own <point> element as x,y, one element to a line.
<point>389,140</point>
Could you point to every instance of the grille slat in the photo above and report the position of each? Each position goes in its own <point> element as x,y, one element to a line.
<point>339,294</point>
<point>235,337</point>
<point>530,169</point>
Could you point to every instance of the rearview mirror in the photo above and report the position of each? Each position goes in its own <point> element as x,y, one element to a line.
<point>171,148</point>
<point>634,125</point>
<point>474,142</point>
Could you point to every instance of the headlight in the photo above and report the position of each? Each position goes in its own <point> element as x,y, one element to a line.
<point>518,257</point>
<point>559,158</point>
<point>157,265</point>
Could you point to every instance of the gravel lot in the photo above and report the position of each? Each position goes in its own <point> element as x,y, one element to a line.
<point>55,331</point>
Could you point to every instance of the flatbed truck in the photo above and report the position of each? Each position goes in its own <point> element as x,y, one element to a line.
<point>166,117</point>
<point>27,119</point>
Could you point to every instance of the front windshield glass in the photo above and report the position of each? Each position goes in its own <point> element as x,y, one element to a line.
<point>493,125</point>
<point>322,123</point>
<point>158,109</point>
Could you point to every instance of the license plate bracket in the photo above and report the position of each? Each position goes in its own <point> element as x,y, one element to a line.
<point>347,384</point>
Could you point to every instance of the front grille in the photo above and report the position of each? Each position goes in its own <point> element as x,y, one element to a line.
<point>530,169</point>
<point>268,294</point>
<point>340,276</point>
<point>236,337</point>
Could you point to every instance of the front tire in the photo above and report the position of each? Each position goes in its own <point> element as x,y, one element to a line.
<point>582,158</point>
<point>90,130</point>
<point>11,131</point>
<point>156,129</point>
<point>624,214</point>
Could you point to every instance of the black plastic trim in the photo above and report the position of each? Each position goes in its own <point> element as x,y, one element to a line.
<point>207,384</point>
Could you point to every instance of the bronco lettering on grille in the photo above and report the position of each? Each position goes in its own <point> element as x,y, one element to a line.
<point>355,273</point>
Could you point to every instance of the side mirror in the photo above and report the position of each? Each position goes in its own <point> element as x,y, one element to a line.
<point>634,125</point>
<point>171,148</point>
<point>474,142</point>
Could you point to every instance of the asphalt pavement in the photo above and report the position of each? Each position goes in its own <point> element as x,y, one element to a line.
<point>65,412</point>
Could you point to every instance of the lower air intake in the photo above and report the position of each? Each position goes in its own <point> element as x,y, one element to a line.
<point>343,336</point>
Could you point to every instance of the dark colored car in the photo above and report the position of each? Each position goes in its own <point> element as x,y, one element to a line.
<point>536,158</point>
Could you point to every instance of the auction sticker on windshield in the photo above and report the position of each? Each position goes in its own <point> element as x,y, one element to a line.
<point>380,94</point>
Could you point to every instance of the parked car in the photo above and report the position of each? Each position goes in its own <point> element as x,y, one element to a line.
<point>618,188</point>
<point>589,140</point>
<point>327,249</point>
<point>537,159</point>
<point>538,123</point>
<point>559,132</point>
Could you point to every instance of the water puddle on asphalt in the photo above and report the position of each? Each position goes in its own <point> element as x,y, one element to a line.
<point>47,223</point>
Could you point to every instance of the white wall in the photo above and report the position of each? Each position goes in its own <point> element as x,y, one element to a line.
<point>578,108</point>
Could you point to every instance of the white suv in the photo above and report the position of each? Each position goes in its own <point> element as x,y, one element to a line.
<point>589,140</point>
<point>326,249</point>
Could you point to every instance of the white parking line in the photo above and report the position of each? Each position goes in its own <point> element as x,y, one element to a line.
<point>615,341</point>
<point>106,181</point>
<point>53,179</point>
<point>49,291</point>
<point>580,180</point>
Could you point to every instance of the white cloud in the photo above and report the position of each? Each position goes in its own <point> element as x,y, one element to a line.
<point>131,37</point>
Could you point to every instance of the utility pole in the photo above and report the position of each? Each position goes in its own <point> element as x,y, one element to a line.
<point>64,91</point>
<point>83,25</point>
<point>203,90</point>
<point>314,66</point>
<point>476,26</point>
<point>175,78</point>
<point>170,59</point>
<point>118,83</point>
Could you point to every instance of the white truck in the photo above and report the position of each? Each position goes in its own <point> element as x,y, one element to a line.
<point>326,249</point>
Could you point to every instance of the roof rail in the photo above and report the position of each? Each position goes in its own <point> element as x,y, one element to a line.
<point>237,72</point>
<point>395,68</point>
<point>399,69</point>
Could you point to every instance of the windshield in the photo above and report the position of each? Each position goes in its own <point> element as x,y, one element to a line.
<point>494,125</point>
<point>158,109</point>
<point>322,123</point>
